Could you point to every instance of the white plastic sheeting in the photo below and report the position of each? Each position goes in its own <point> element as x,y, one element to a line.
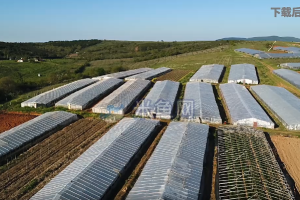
<point>248,51</point>
<point>150,74</point>
<point>199,104</point>
<point>289,75</point>
<point>208,73</point>
<point>120,101</point>
<point>174,170</point>
<point>290,65</point>
<point>243,108</point>
<point>160,101</point>
<point>243,73</point>
<point>51,97</point>
<point>94,173</point>
<point>84,98</point>
<point>26,133</point>
<point>288,49</point>
<point>123,74</point>
<point>282,103</point>
<point>266,55</point>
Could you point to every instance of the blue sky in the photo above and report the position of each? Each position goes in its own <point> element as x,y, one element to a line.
<point>169,20</point>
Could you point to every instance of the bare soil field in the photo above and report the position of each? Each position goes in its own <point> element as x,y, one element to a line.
<point>174,75</point>
<point>8,121</point>
<point>24,176</point>
<point>289,152</point>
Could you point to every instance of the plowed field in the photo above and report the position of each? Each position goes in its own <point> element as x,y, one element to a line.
<point>8,121</point>
<point>289,153</point>
<point>174,75</point>
<point>23,177</point>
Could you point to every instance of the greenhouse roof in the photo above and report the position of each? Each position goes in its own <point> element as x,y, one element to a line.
<point>202,98</point>
<point>175,169</point>
<point>241,103</point>
<point>18,136</point>
<point>93,173</point>
<point>150,74</point>
<point>283,103</point>
<point>243,71</point>
<point>210,72</point>
<point>289,75</point>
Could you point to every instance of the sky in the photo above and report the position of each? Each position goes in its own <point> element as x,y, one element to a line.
<point>143,20</point>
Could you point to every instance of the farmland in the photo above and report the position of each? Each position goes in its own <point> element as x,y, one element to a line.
<point>174,75</point>
<point>22,177</point>
<point>8,121</point>
<point>289,152</point>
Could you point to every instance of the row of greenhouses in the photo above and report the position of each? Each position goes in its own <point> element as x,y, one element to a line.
<point>51,97</point>
<point>160,102</point>
<point>175,169</point>
<point>18,139</point>
<point>98,170</point>
<point>90,95</point>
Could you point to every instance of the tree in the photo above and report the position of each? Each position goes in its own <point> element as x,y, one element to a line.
<point>8,86</point>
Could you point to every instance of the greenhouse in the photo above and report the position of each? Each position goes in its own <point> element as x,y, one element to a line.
<point>175,169</point>
<point>22,137</point>
<point>290,65</point>
<point>95,174</point>
<point>290,76</point>
<point>51,97</point>
<point>243,73</point>
<point>284,105</point>
<point>199,104</point>
<point>247,167</point>
<point>90,95</point>
<point>248,51</point>
<point>123,74</point>
<point>122,99</point>
<point>277,55</point>
<point>288,49</point>
<point>160,102</point>
<point>150,74</point>
<point>243,108</point>
<point>208,74</point>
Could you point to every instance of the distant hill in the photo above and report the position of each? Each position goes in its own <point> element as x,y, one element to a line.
<point>265,38</point>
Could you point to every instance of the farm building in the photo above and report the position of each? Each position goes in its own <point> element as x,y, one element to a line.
<point>51,97</point>
<point>208,74</point>
<point>22,137</point>
<point>98,170</point>
<point>290,65</point>
<point>290,76</point>
<point>175,169</point>
<point>284,105</point>
<point>123,74</point>
<point>243,108</point>
<point>199,104</point>
<point>120,101</point>
<point>88,96</point>
<point>243,73</point>
<point>150,74</point>
<point>160,101</point>
<point>247,167</point>
<point>248,51</point>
